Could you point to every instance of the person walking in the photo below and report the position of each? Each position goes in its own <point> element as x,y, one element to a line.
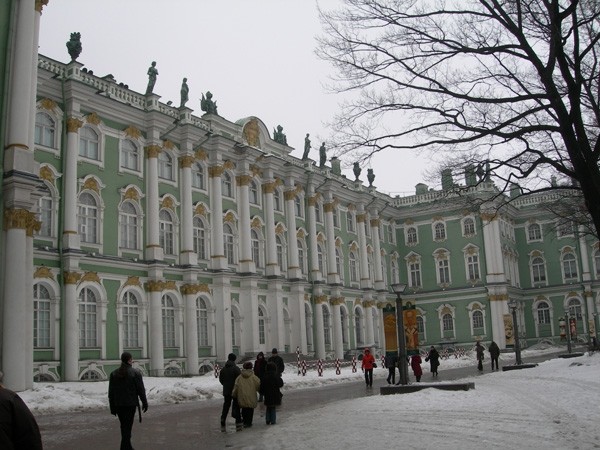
<point>434,361</point>
<point>494,354</point>
<point>415,363</point>
<point>391,361</point>
<point>368,362</point>
<point>125,391</point>
<point>227,377</point>
<point>269,388</point>
<point>278,360</point>
<point>479,351</point>
<point>244,390</point>
<point>18,428</point>
<point>260,366</point>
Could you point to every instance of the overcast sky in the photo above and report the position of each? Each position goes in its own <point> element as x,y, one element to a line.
<point>255,56</point>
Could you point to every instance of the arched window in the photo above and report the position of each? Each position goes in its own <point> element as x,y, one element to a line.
<point>443,268</point>
<point>439,231</point>
<point>350,222</point>
<point>228,244</point>
<point>538,270</point>
<point>320,259</point>
<point>395,271</point>
<point>336,217</point>
<point>261,327</point>
<point>88,334</point>
<point>130,155</point>
<point>301,256</point>
<point>319,213</point>
<point>477,319</point>
<point>131,320</point>
<point>298,206</point>
<point>280,252</point>
<point>277,200</point>
<point>326,325</point>
<point>46,205</point>
<point>472,266</point>
<point>200,239</point>
<point>255,248</point>
<point>88,218</point>
<point>574,306</point>
<point>597,263</point>
<point>358,326</point>
<point>353,267</point>
<point>202,322</point>
<point>41,317</point>
<point>128,218</point>
<point>338,263</point>
<point>543,313</point>
<point>165,166</point>
<point>198,176</point>
<point>45,129</point>
<point>168,321</point>
<point>411,236</point>
<point>468,227</point>
<point>420,327</point>
<point>253,192</point>
<point>88,143</point>
<point>447,322</point>
<point>166,232</point>
<point>569,265</point>
<point>226,185</point>
<point>414,270</point>
<point>534,232</point>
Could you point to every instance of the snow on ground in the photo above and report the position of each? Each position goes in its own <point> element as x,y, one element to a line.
<point>555,405</point>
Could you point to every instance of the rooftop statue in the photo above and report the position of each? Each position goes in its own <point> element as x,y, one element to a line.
<point>356,170</point>
<point>152,74</point>
<point>322,155</point>
<point>370,177</point>
<point>74,46</point>
<point>306,147</point>
<point>279,136</point>
<point>185,90</point>
<point>208,105</point>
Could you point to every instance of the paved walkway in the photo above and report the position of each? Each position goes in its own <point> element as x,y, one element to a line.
<point>196,425</point>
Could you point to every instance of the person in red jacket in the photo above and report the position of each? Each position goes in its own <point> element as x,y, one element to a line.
<point>415,363</point>
<point>367,367</point>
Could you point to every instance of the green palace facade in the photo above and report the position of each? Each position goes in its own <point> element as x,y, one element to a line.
<point>130,224</point>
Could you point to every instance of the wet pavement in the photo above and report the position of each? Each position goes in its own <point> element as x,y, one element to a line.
<point>196,425</point>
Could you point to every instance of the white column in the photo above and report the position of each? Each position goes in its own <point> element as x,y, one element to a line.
<point>298,317</point>
<point>275,313</point>
<point>222,301</point>
<point>272,269</point>
<point>157,358</point>
<point>191,328</point>
<point>370,335</point>
<point>319,331</point>
<point>293,271</point>
<point>29,313</point>
<point>332,276</point>
<point>153,248</point>
<point>216,201</point>
<point>377,256</point>
<point>249,306</point>
<point>365,280</point>
<point>338,340</point>
<point>70,235</point>
<point>247,264</point>
<point>312,239</point>
<point>187,243</point>
<point>493,249</point>
<point>14,355</point>
<point>71,327</point>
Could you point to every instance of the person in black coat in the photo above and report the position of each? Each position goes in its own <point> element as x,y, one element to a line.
<point>260,366</point>
<point>278,360</point>
<point>494,354</point>
<point>434,360</point>
<point>125,386</point>
<point>391,361</point>
<point>227,378</point>
<point>269,388</point>
<point>479,351</point>
<point>18,428</point>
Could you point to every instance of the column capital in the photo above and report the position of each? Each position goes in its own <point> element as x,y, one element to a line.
<point>375,223</point>
<point>243,180</point>
<point>186,161</point>
<point>152,151</point>
<point>320,299</point>
<point>361,218</point>
<point>73,124</point>
<point>71,277</point>
<point>215,171</point>
<point>39,5</point>
<point>192,289</point>
<point>16,218</point>
<point>336,301</point>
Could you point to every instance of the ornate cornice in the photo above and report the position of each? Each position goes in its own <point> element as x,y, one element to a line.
<point>256,223</point>
<point>186,161</point>
<point>243,180</point>
<point>201,210</point>
<point>92,185</point>
<point>152,151</point>
<point>47,174</point>
<point>279,229</point>
<point>168,203</point>
<point>43,272</point>
<point>133,281</point>
<point>131,194</point>
<point>229,217</point>
<point>73,124</point>
<point>192,289</point>
<point>71,277</point>
<point>132,132</point>
<point>215,171</point>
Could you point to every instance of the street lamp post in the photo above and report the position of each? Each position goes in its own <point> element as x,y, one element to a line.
<point>398,289</point>
<point>512,305</point>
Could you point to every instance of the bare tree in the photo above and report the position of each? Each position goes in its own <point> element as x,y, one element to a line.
<point>510,85</point>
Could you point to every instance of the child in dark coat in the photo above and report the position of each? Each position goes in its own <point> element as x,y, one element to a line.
<point>269,388</point>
